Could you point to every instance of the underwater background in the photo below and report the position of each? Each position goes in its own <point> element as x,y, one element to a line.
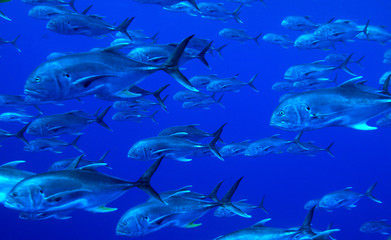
<point>288,181</point>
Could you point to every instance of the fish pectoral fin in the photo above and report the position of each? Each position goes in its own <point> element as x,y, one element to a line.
<point>102,209</point>
<point>179,134</point>
<point>87,81</point>
<point>127,94</point>
<point>58,196</point>
<point>261,223</point>
<point>56,128</point>
<point>183,159</point>
<point>362,126</point>
<point>192,225</point>
<point>162,151</point>
<point>163,219</point>
<point>93,166</point>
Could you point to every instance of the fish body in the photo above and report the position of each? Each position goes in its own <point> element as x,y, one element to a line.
<point>387,56</point>
<point>189,96</point>
<point>266,146</point>
<point>230,85</point>
<point>217,11</point>
<point>338,31</point>
<point>349,105</point>
<point>239,35</point>
<point>190,132</point>
<point>49,144</point>
<point>310,41</point>
<point>46,12</point>
<point>183,7</point>
<point>308,71</point>
<point>15,117</point>
<point>234,149</point>
<point>282,40</point>
<point>299,23</point>
<point>375,33</point>
<point>133,116</point>
<point>381,227</point>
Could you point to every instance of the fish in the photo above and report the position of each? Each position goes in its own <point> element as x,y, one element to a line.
<point>16,117</point>
<point>315,70</point>
<point>239,35</point>
<point>234,149</point>
<point>339,31</point>
<point>134,116</point>
<point>299,23</point>
<point>139,104</point>
<point>204,104</point>
<point>217,11</point>
<point>79,24</point>
<point>74,188</point>
<point>171,147</point>
<point>10,176</point>
<point>20,134</point>
<point>103,71</point>
<point>387,56</point>
<point>265,146</point>
<point>230,85</point>
<point>190,132</point>
<point>282,40</point>
<point>72,123</point>
<point>202,81</point>
<point>47,12</point>
<point>182,209</point>
<point>12,42</point>
<point>62,215</point>
<point>375,33</point>
<point>384,121</point>
<point>260,231</point>
<point>351,104</point>
<point>65,163</point>
<point>136,36</point>
<point>307,148</point>
<point>15,101</point>
<point>345,198</point>
<point>242,205</point>
<point>310,41</point>
<point>190,96</point>
<point>53,144</point>
<point>380,226</point>
<point>183,7</point>
<point>165,3</point>
<point>311,203</point>
<point>338,58</point>
<point>70,3</point>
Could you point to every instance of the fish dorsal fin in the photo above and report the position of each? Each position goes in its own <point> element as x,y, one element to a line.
<point>351,82</point>
<point>285,96</point>
<point>307,17</point>
<point>193,125</point>
<point>74,163</point>
<point>261,223</point>
<point>348,189</point>
<point>12,164</point>
<point>317,61</point>
<point>115,49</point>
<point>306,227</point>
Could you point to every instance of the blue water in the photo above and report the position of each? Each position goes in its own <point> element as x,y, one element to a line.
<point>288,181</point>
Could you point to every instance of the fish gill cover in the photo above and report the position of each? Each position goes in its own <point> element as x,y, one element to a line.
<point>224,114</point>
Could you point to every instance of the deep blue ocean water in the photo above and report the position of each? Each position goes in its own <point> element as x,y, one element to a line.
<point>288,181</point>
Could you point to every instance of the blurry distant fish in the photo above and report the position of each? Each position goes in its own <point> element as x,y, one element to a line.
<point>183,7</point>
<point>387,56</point>
<point>136,36</point>
<point>345,198</point>
<point>230,85</point>
<point>299,23</point>
<point>76,75</point>
<point>303,85</point>
<point>13,43</point>
<point>375,33</point>
<point>46,12</point>
<point>133,116</point>
<point>384,121</point>
<point>307,148</point>
<point>217,11</point>
<point>50,144</point>
<point>201,44</point>
<point>339,31</point>
<point>189,96</point>
<point>10,176</point>
<point>268,145</point>
<point>66,123</point>
<point>282,40</point>
<point>190,132</point>
<point>171,147</point>
<point>70,3</point>
<point>77,24</point>
<point>202,81</point>
<point>351,104</point>
<point>165,3</point>
<point>238,35</point>
<point>204,104</point>
<point>16,117</point>
<point>310,41</point>
<point>15,101</point>
<point>338,58</point>
<point>36,216</point>
<point>242,205</point>
<point>2,15</point>
<point>64,164</point>
<point>234,149</point>
<point>381,227</point>
<point>139,104</point>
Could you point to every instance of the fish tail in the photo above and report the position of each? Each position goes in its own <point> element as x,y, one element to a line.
<point>256,38</point>
<point>194,4</point>
<point>329,151</point>
<point>157,93</point>
<point>365,30</point>
<point>201,55</point>
<point>100,116</point>
<point>213,194</point>
<point>306,226</point>
<point>38,109</point>
<point>123,27</point>
<point>152,117</point>
<point>144,182</point>
<point>218,50</point>
<point>2,15</point>
<point>13,42</point>
<point>85,11</point>
<point>171,65</point>
<point>236,13</point>
<point>219,101</point>
<point>369,193</point>
<point>344,65</point>
<point>261,205</point>
<point>226,202</point>
<point>358,62</point>
<point>154,38</point>
<point>251,83</point>
<point>20,134</point>
<point>74,144</point>
<point>102,159</point>
<point>212,144</point>
<point>72,5</point>
<point>218,131</point>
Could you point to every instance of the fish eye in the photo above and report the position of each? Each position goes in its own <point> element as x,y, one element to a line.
<point>37,80</point>
<point>40,191</point>
<point>14,194</point>
<point>65,75</point>
<point>281,113</point>
<point>308,108</point>
<point>145,218</point>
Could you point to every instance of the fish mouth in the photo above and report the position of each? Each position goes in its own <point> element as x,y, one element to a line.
<point>35,92</point>
<point>13,205</point>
